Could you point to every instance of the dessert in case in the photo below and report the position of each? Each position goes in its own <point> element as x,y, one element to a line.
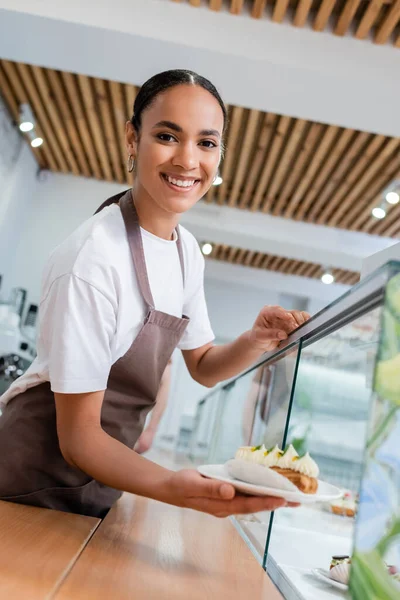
<point>345,506</point>
<point>301,471</point>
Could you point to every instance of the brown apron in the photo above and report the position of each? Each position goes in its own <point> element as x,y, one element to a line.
<point>32,468</point>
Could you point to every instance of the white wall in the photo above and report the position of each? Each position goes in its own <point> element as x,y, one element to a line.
<point>18,170</point>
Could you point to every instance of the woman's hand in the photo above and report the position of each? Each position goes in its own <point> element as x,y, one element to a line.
<point>273,325</point>
<point>189,489</point>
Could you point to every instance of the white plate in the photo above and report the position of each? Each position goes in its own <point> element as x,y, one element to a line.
<point>323,575</point>
<point>325,493</point>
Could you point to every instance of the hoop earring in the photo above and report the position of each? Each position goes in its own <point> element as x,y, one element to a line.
<point>130,163</point>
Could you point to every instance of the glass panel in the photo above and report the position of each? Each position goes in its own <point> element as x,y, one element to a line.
<point>329,419</point>
<point>202,434</point>
<point>377,540</point>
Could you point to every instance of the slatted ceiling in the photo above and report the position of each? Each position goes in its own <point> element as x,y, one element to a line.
<point>346,17</point>
<point>258,8</point>
<point>236,123</point>
<point>370,16</point>
<point>302,12</point>
<point>390,22</point>
<point>120,116</point>
<point>376,19</point>
<point>73,96</point>
<point>278,140</point>
<point>295,208</point>
<point>246,147</point>
<point>288,157</point>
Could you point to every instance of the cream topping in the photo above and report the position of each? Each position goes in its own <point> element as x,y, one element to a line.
<point>243,452</point>
<point>287,460</point>
<point>257,456</point>
<point>272,457</point>
<point>306,465</point>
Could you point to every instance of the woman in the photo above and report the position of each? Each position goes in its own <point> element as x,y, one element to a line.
<point>119,295</point>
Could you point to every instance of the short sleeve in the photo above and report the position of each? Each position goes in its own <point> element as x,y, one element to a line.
<point>199,331</point>
<point>78,324</point>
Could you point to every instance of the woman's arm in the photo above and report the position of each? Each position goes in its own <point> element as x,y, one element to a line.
<point>211,364</point>
<point>85,445</point>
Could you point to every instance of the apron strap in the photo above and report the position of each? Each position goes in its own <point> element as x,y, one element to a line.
<point>132,226</point>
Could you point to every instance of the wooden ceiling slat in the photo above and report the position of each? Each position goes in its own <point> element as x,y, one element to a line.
<point>338,176</point>
<point>249,258</point>
<point>389,23</point>
<point>271,161</point>
<point>346,17</point>
<point>258,259</point>
<point>302,12</point>
<point>310,268</point>
<point>397,42</point>
<point>272,264</point>
<point>295,207</point>
<point>231,253</point>
<point>280,10</point>
<point>326,181</point>
<point>283,265</point>
<point>68,120</point>
<point>94,125</point>
<point>55,119</point>
<point>234,128</point>
<point>323,14</point>
<point>49,140</point>
<point>9,97</point>
<point>266,261</point>
<point>236,6</point>
<point>70,84</point>
<point>302,268</point>
<point>291,150</point>
<point>266,135</point>
<point>389,226</point>
<point>120,119</point>
<point>304,156</point>
<point>258,8</point>
<point>369,18</point>
<point>293,267</point>
<point>130,92</point>
<point>241,168</point>
<point>377,166</point>
<point>215,4</point>
<point>109,130</point>
<point>240,255</point>
<point>195,2</point>
<point>343,196</point>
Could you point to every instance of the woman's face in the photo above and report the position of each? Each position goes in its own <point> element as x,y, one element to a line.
<point>179,147</point>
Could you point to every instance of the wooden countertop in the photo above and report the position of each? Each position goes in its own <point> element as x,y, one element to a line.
<point>145,549</point>
<point>38,547</point>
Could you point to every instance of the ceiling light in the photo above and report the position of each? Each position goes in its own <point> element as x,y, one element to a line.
<point>327,278</point>
<point>36,142</point>
<point>26,118</point>
<point>26,126</point>
<point>218,180</point>
<point>393,197</point>
<point>378,212</point>
<point>206,248</point>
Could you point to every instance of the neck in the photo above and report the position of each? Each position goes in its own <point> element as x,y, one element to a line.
<point>152,217</point>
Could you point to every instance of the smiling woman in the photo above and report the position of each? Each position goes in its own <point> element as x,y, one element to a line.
<point>119,295</point>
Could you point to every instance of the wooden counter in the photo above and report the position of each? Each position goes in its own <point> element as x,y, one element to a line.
<point>148,550</point>
<point>38,547</point>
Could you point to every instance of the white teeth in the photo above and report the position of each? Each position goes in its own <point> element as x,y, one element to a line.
<point>180,182</point>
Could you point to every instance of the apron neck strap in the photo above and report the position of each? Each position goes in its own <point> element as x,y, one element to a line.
<point>132,226</point>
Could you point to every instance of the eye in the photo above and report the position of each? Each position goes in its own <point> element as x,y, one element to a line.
<point>166,137</point>
<point>208,144</point>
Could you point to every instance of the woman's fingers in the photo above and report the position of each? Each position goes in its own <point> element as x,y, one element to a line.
<point>240,505</point>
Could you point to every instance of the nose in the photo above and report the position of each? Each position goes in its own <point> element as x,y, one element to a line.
<point>186,156</point>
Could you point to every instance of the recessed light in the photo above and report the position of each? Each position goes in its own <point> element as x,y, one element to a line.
<point>327,278</point>
<point>378,212</point>
<point>36,142</point>
<point>26,126</point>
<point>206,248</point>
<point>218,180</point>
<point>393,197</point>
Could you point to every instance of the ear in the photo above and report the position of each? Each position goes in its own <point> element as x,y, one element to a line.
<point>131,139</point>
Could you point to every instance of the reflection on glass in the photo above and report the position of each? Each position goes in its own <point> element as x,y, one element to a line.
<point>329,419</point>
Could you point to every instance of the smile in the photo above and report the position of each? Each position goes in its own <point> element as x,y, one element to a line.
<point>181,185</point>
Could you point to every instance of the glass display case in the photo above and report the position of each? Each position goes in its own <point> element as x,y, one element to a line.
<point>333,390</point>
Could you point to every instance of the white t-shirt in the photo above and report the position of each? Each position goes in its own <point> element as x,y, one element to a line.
<point>91,308</point>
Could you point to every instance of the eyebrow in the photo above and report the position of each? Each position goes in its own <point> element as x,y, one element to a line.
<point>178,128</point>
